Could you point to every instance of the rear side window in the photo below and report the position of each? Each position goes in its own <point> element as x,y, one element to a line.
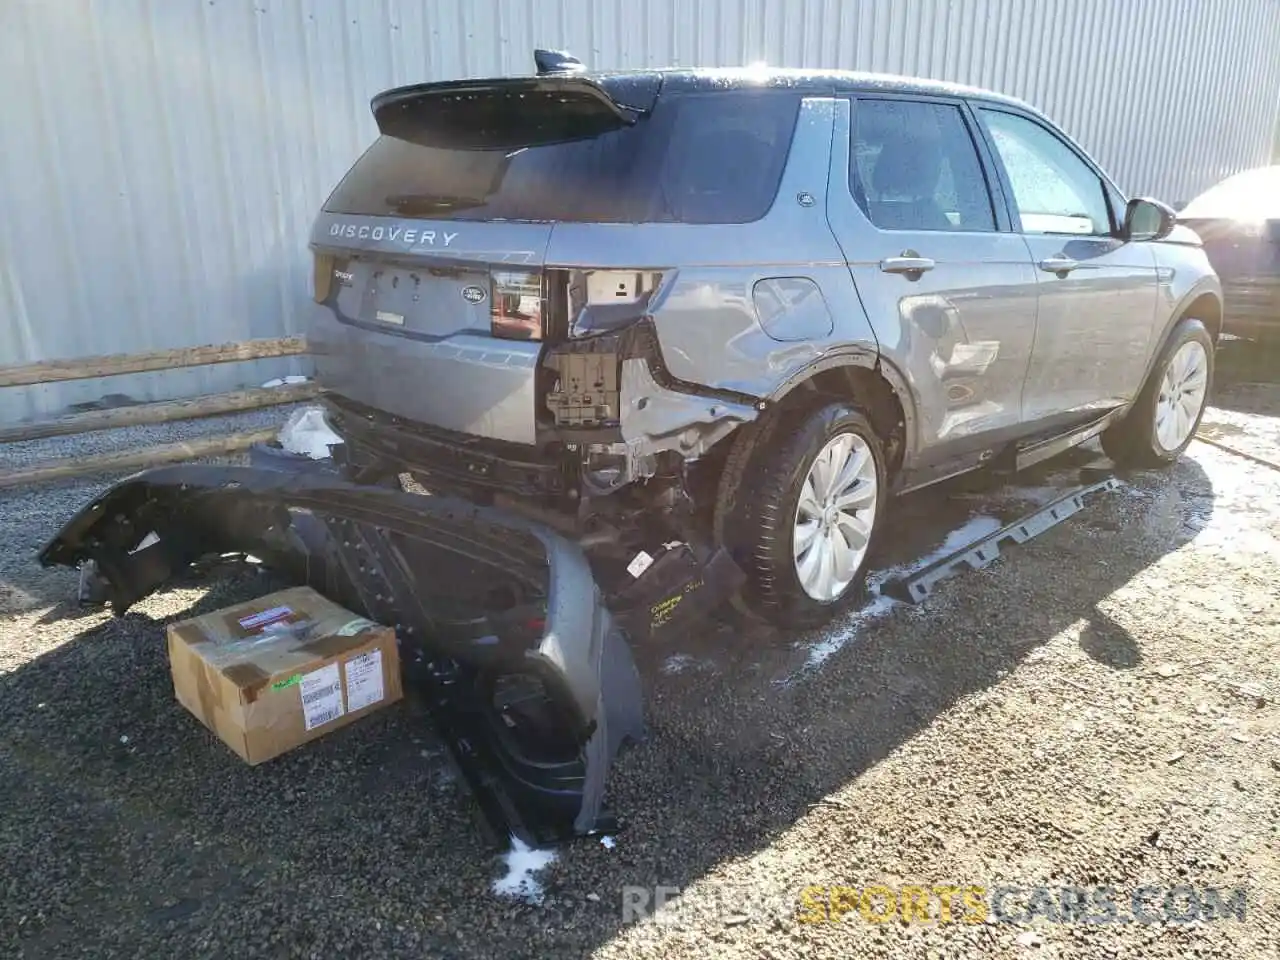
<point>914,166</point>
<point>704,158</point>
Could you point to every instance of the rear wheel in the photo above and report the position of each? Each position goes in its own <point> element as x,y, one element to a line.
<point>1165,416</point>
<point>799,506</point>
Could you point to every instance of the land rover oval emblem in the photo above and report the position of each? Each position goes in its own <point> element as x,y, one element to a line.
<point>473,294</point>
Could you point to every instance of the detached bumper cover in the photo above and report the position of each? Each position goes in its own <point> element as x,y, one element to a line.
<point>501,626</point>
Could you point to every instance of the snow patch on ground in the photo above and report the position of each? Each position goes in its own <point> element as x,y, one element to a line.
<point>974,528</point>
<point>821,651</point>
<point>677,663</point>
<point>522,862</point>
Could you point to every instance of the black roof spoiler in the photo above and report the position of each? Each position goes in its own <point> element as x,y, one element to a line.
<point>561,103</point>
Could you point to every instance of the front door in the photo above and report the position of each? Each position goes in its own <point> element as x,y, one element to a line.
<point>949,290</point>
<point>1097,293</point>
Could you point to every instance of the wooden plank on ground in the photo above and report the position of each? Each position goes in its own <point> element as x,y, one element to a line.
<point>136,459</point>
<point>111,365</point>
<point>192,408</point>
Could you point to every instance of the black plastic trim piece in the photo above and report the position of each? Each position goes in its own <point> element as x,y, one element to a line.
<point>1045,449</point>
<point>465,460</point>
<point>982,552</point>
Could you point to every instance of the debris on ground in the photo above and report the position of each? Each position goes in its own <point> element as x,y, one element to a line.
<point>945,732</point>
<point>307,433</point>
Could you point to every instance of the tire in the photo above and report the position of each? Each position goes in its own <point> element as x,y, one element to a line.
<point>757,515</point>
<point>1138,440</point>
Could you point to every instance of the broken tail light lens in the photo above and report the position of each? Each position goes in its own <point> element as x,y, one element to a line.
<point>516,304</point>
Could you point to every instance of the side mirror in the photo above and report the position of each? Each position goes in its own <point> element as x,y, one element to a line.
<point>1146,219</point>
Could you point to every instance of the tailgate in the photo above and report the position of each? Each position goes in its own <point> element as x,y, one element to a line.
<point>429,252</point>
<point>407,321</point>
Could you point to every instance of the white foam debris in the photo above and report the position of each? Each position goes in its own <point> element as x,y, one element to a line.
<point>523,861</point>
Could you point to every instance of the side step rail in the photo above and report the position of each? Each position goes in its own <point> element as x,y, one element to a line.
<point>983,551</point>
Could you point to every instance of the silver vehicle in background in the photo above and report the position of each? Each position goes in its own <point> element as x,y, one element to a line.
<point>742,309</point>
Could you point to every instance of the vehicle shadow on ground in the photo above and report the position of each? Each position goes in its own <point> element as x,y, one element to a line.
<point>746,748</point>
<point>745,740</point>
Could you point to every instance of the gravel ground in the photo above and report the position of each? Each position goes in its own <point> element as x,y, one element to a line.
<point>15,455</point>
<point>1097,708</point>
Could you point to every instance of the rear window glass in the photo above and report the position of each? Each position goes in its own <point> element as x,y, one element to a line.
<point>702,158</point>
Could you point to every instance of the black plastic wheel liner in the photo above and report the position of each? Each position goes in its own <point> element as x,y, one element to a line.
<point>476,595</point>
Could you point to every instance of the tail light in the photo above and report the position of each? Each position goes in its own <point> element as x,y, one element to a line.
<point>322,277</point>
<point>516,304</point>
<point>572,303</point>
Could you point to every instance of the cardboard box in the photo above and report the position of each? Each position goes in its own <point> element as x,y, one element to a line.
<point>275,672</point>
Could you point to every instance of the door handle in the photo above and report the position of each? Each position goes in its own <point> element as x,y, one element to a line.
<point>1059,265</point>
<point>908,265</point>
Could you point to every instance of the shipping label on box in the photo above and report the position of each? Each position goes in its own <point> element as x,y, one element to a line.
<point>272,673</point>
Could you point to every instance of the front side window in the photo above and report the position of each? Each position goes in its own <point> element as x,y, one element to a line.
<point>914,166</point>
<point>1054,190</point>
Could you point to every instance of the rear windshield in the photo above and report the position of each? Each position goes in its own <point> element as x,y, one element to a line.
<point>698,158</point>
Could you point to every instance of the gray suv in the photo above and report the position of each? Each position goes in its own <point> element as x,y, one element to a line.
<point>741,309</point>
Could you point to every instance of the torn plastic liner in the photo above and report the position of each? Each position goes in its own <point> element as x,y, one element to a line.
<point>502,629</point>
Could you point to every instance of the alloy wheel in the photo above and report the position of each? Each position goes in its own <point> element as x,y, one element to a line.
<point>834,517</point>
<point>1182,395</point>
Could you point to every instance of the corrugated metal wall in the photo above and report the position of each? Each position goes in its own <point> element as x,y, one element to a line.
<point>161,160</point>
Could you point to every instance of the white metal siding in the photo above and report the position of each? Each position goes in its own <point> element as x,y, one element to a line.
<point>161,160</point>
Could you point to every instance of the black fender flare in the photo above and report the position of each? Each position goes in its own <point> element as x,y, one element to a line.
<point>864,358</point>
<point>1205,285</point>
<point>1209,285</point>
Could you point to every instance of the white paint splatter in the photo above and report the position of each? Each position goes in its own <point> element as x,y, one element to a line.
<point>974,528</point>
<point>523,861</point>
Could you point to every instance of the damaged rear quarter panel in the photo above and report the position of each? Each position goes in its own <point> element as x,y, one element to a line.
<point>705,315</point>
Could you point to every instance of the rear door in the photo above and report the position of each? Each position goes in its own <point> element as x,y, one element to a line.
<point>1096,293</point>
<point>950,292</point>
